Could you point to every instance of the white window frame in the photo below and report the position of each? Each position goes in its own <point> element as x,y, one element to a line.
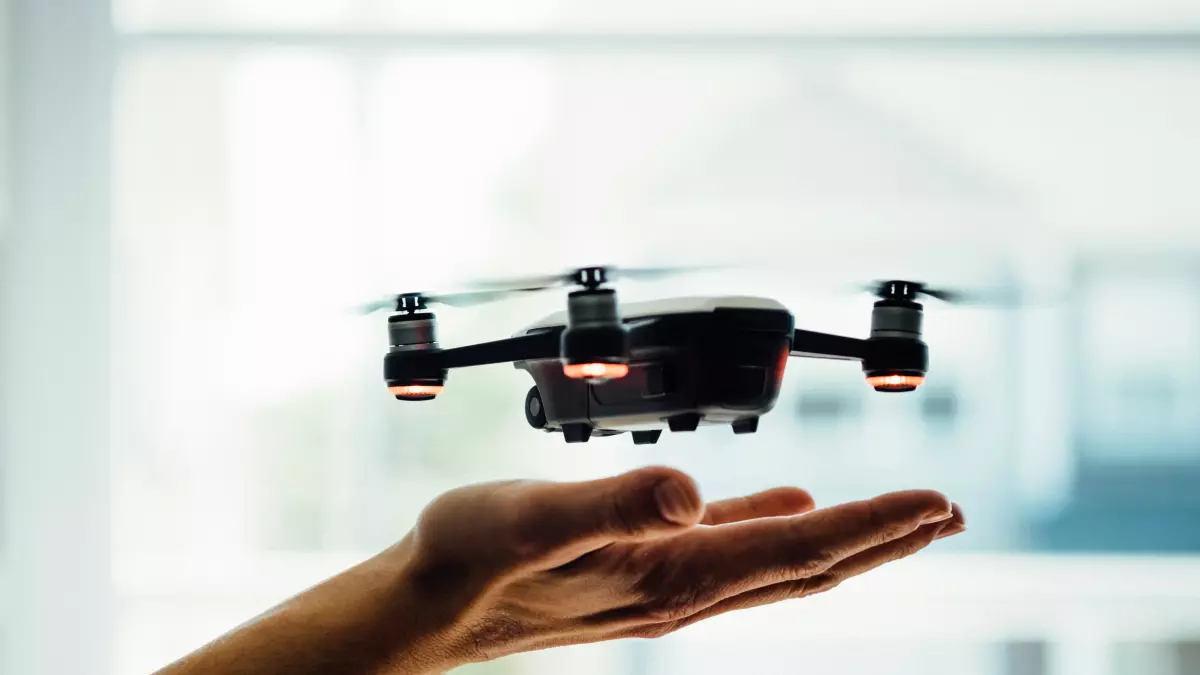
<point>54,314</point>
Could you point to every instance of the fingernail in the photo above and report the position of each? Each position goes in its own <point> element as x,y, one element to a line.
<point>936,516</point>
<point>950,529</point>
<point>674,502</point>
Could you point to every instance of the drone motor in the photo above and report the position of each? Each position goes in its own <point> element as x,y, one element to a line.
<point>897,358</point>
<point>410,331</point>
<point>595,344</point>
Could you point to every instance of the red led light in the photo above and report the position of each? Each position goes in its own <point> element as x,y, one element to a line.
<point>415,390</point>
<point>895,382</point>
<point>595,371</point>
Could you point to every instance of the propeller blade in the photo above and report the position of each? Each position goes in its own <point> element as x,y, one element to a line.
<point>458,299</point>
<point>377,306</point>
<point>947,295</point>
<point>651,273</point>
<point>569,277</point>
<point>539,282</point>
<point>993,296</point>
<point>498,289</point>
<point>473,298</point>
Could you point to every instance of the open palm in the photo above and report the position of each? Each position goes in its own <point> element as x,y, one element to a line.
<point>521,565</point>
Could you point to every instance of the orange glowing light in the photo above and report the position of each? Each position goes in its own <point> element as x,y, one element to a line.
<point>416,390</point>
<point>595,371</point>
<point>895,381</point>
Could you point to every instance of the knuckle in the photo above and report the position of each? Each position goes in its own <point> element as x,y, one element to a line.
<point>871,515</point>
<point>911,547</point>
<point>883,527</point>
<point>878,525</point>
<point>688,599</point>
<point>815,561</point>
<point>820,583</point>
<point>787,590</point>
<point>899,529</point>
<point>672,607</point>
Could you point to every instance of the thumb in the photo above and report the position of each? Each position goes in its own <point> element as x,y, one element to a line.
<point>581,517</point>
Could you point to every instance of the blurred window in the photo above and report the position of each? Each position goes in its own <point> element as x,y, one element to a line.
<point>279,162</point>
<point>1140,365</point>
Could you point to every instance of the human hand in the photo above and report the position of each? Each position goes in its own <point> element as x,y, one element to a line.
<point>520,566</point>
<point>500,568</point>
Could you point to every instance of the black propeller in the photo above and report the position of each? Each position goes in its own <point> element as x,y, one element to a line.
<point>896,289</point>
<point>589,277</point>
<point>415,301</point>
<point>592,277</point>
<point>491,291</point>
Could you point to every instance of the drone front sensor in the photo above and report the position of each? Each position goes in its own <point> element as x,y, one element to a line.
<point>595,371</point>
<point>673,364</point>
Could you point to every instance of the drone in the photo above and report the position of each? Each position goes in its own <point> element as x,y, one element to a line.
<point>601,369</point>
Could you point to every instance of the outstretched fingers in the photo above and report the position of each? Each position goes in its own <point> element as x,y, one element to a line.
<point>689,573</point>
<point>759,552</point>
<point>852,566</point>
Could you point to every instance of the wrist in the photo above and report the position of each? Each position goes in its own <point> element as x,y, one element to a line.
<point>404,615</point>
<point>367,620</point>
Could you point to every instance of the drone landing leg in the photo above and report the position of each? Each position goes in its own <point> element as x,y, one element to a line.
<point>684,422</point>
<point>577,433</point>
<point>649,437</point>
<point>746,425</point>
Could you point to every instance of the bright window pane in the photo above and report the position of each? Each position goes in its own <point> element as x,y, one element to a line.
<point>772,17</point>
<point>262,192</point>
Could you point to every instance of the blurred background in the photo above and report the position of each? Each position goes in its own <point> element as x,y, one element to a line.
<point>194,191</point>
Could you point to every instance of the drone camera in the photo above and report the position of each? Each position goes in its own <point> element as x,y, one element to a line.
<point>595,344</point>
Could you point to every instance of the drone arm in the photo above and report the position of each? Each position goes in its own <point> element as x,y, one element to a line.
<point>521,348</point>
<point>813,345</point>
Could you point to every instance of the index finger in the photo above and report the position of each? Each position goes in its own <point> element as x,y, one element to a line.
<point>780,501</point>
<point>744,556</point>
